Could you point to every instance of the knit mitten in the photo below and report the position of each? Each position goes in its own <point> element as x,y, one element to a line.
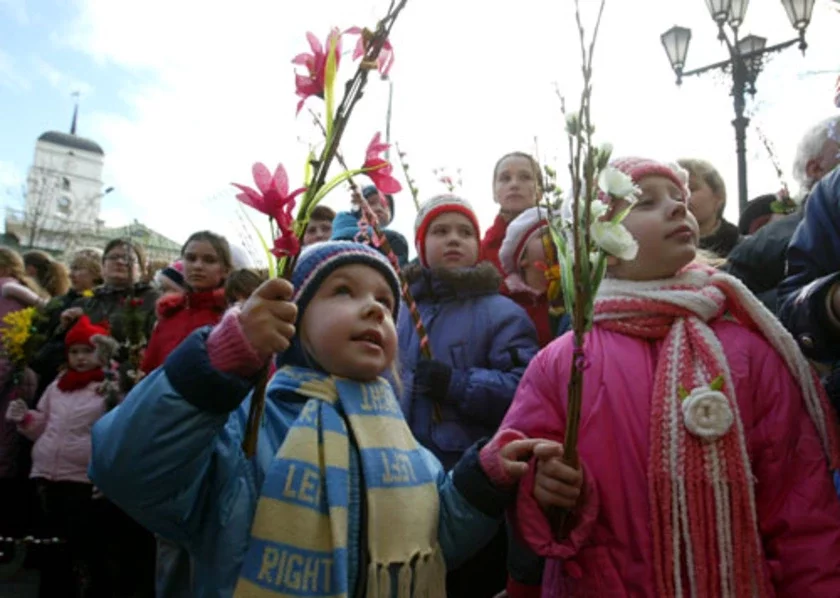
<point>16,412</point>
<point>229,349</point>
<point>432,378</point>
<point>492,461</point>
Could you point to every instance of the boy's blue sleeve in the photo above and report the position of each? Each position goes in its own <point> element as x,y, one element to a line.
<point>471,508</point>
<point>171,448</point>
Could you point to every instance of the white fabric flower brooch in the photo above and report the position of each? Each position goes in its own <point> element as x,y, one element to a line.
<point>706,411</point>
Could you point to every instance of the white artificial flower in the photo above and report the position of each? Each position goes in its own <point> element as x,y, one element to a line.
<point>603,154</point>
<point>707,413</point>
<point>615,183</point>
<point>614,239</point>
<point>597,209</point>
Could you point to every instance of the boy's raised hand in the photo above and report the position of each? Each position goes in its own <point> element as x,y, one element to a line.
<point>555,484</point>
<point>268,317</point>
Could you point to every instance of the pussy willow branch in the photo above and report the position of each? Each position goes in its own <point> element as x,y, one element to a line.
<point>581,142</point>
<point>411,186</point>
<point>774,158</point>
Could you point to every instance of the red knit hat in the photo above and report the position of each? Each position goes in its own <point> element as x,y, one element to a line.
<point>639,168</point>
<point>82,332</point>
<point>434,208</point>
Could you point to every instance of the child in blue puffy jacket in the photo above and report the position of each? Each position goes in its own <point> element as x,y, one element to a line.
<point>481,343</point>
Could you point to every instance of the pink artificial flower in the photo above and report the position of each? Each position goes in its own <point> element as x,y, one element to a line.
<point>286,244</point>
<point>273,198</point>
<point>384,61</point>
<point>312,83</point>
<point>380,173</point>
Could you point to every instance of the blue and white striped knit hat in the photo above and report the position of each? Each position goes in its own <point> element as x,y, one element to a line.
<point>316,262</point>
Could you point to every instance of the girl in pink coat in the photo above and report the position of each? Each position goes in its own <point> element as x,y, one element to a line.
<point>61,428</point>
<point>706,442</point>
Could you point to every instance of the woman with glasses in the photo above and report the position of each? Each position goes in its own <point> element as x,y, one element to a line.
<point>127,305</point>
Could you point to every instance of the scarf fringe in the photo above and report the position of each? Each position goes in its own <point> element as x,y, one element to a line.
<point>424,578</point>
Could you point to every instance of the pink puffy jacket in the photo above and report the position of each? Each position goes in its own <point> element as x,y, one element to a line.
<point>60,427</point>
<point>610,551</point>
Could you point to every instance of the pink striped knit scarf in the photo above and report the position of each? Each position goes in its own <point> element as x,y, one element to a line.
<point>705,532</point>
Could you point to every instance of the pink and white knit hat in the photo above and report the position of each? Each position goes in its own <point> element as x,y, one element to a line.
<point>433,208</point>
<point>528,225</point>
<point>638,168</point>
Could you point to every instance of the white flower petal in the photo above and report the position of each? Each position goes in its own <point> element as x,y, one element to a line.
<point>598,209</point>
<point>614,239</point>
<point>616,184</point>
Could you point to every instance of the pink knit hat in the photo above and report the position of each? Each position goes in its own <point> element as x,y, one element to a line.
<point>639,168</point>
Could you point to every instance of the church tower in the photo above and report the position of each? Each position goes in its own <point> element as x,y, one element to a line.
<point>64,186</point>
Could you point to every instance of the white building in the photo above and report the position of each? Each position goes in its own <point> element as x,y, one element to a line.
<point>65,179</point>
<point>64,192</point>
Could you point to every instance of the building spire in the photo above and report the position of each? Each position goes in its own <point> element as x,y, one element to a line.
<point>75,94</point>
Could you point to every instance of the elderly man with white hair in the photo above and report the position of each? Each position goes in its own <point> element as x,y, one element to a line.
<point>809,297</point>
<point>759,260</point>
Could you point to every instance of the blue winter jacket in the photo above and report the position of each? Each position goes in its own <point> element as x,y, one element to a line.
<point>813,267</point>
<point>486,338</point>
<point>171,457</point>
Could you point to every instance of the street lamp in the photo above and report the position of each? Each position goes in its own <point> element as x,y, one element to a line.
<point>746,59</point>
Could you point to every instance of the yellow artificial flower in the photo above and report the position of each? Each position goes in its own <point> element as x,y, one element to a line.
<point>87,293</point>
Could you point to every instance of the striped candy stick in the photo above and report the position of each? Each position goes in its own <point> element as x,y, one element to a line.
<point>382,241</point>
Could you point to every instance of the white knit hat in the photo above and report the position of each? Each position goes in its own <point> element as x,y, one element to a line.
<point>240,257</point>
<point>529,224</point>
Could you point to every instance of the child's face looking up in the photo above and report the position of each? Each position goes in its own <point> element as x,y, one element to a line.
<point>451,242</point>
<point>348,326</point>
<point>664,229</point>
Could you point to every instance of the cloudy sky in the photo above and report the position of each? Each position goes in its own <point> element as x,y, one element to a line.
<point>184,96</point>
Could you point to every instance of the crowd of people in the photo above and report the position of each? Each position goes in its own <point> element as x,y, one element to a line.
<point>395,460</point>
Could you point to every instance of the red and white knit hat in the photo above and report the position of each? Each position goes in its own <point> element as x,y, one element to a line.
<point>528,225</point>
<point>638,168</point>
<point>434,208</point>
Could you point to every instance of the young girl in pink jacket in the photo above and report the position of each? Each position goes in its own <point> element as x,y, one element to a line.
<point>706,442</point>
<point>61,428</point>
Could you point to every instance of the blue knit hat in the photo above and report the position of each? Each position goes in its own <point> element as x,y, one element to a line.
<point>318,261</point>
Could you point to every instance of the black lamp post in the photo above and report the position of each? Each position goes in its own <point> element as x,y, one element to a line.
<point>746,59</point>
